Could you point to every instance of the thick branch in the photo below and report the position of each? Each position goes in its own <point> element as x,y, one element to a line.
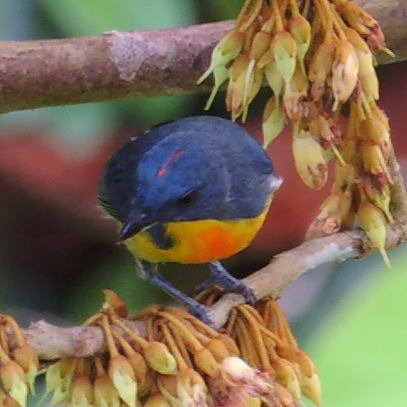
<point>139,63</point>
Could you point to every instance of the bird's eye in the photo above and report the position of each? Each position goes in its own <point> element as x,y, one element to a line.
<point>188,199</point>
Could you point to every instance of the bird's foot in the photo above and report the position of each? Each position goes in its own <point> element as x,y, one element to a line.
<point>201,312</point>
<point>220,276</point>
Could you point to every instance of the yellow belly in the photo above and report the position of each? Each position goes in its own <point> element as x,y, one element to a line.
<point>199,241</point>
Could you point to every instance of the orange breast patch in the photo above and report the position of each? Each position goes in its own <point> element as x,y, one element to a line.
<point>218,242</point>
<point>199,241</point>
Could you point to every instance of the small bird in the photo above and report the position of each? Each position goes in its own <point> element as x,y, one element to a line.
<point>194,190</point>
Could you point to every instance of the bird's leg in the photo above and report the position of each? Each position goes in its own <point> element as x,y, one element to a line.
<point>148,271</point>
<point>220,276</point>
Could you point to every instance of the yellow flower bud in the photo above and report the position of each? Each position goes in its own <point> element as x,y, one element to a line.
<point>58,372</point>
<point>274,120</point>
<point>139,366</point>
<point>14,381</point>
<point>81,391</point>
<point>114,303</point>
<point>382,200</point>
<point>309,160</point>
<point>376,130</point>
<point>220,74</point>
<point>311,388</point>
<point>144,387</point>
<point>284,396</point>
<point>260,45</point>
<point>205,361</point>
<point>300,29</point>
<point>236,86</point>
<point>326,131</point>
<point>345,69</point>
<point>168,387</point>
<point>274,78</point>
<point>285,375</point>
<point>307,368</point>
<point>320,68</point>
<point>104,393</point>
<point>122,375</point>
<point>245,81</point>
<point>373,161</point>
<point>26,356</point>
<point>285,51</point>
<point>329,218</point>
<point>253,81</point>
<point>229,343</point>
<point>159,358</point>
<point>294,96</point>
<point>218,349</point>
<point>380,115</point>
<point>344,177</point>
<point>191,388</point>
<point>363,23</point>
<point>367,72</point>
<point>373,223</point>
<point>225,51</point>
<point>58,379</point>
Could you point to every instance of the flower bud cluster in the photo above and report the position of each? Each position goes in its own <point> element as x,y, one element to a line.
<point>361,189</point>
<point>178,362</point>
<point>318,61</point>
<point>18,366</point>
<point>266,343</point>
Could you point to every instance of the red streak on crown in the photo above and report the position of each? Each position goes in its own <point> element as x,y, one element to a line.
<point>172,158</point>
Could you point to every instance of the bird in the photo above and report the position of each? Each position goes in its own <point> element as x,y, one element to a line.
<point>190,191</point>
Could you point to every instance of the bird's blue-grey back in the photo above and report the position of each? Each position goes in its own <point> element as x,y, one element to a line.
<point>217,157</point>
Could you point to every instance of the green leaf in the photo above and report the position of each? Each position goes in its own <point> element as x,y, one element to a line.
<point>361,352</point>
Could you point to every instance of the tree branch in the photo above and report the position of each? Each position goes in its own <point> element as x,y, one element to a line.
<point>119,65</point>
<point>52,342</point>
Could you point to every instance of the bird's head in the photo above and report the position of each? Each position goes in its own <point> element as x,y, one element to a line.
<point>175,180</point>
<point>190,169</point>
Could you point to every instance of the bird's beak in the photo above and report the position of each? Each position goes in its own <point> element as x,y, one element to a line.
<point>135,223</point>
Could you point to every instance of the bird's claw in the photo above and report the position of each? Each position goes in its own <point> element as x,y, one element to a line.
<point>248,294</point>
<point>202,312</point>
<point>219,276</point>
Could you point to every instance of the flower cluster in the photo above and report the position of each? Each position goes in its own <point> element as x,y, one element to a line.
<point>19,366</point>
<point>179,361</point>
<point>318,60</point>
<point>266,343</point>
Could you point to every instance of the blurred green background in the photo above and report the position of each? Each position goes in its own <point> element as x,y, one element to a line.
<point>57,252</point>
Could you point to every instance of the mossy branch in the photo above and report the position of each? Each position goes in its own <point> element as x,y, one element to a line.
<point>123,65</point>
